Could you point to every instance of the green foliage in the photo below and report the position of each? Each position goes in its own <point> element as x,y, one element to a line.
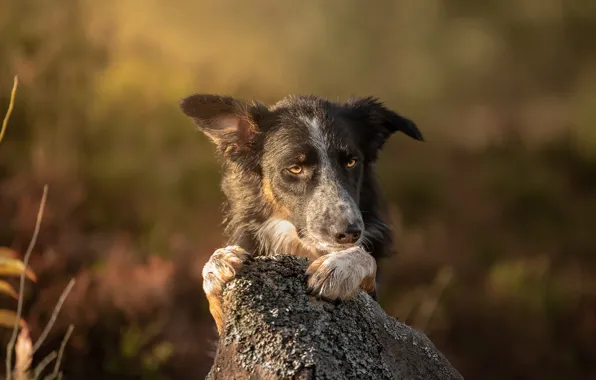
<point>139,354</point>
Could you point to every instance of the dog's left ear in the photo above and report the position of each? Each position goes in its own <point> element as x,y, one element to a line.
<point>380,122</point>
<point>231,124</point>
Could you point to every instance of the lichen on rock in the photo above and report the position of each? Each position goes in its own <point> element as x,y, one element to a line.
<point>275,330</point>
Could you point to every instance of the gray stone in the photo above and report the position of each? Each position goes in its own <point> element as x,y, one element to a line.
<point>275,330</point>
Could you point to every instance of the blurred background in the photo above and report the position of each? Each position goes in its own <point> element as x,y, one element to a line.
<point>495,213</point>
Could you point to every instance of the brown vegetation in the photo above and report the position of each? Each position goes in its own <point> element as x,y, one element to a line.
<point>494,213</point>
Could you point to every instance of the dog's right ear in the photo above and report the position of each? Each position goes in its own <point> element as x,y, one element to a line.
<point>231,124</point>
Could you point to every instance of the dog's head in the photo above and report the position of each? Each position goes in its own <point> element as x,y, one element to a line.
<point>310,154</point>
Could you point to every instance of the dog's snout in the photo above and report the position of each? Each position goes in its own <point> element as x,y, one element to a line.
<point>350,235</point>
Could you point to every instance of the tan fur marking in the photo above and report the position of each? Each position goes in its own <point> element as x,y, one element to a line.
<point>221,268</point>
<point>369,284</point>
<point>216,312</point>
<point>278,210</point>
<point>278,233</point>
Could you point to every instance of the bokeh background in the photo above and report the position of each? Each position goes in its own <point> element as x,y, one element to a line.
<point>495,214</point>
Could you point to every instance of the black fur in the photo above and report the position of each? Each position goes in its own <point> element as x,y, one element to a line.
<point>260,144</point>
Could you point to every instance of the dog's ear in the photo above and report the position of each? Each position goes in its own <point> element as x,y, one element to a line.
<point>231,124</point>
<point>379,122</point>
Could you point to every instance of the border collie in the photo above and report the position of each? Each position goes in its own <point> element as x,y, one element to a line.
<point>299,179</point>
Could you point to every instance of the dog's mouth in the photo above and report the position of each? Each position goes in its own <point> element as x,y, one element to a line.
<point>322,245</point>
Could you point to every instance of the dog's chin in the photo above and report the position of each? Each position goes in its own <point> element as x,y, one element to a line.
<point>322,246</point>
<point>325,247</point>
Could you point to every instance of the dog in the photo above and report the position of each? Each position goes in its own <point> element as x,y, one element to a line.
<point>298,177</point>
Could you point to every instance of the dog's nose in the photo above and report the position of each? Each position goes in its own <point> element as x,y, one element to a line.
<point>349,236</point>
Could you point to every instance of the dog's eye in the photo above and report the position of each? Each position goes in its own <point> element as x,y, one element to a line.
<point>296,169</point>
<point>351,163</point>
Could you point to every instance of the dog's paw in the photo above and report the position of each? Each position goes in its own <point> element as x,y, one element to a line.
<point>338,275</point>
<point>222,267</point>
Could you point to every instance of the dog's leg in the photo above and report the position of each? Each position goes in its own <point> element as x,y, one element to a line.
<point>219,270</point>
<point>338,275</point>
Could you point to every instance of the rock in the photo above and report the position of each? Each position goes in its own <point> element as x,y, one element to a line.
<point>275,330</point>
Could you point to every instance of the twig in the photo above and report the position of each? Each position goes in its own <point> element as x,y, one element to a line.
<point>61,351</point>
<point>429,306</point>
<point>10,106</point>
<point>43,364</point>
<point>52,320</point>
<point>15,329</point>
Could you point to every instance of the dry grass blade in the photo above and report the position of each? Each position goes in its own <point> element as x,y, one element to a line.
<point>429,305</point>
<point>8,318</point>
<point>10,106</point>
<point>56,374</point>
<point>15,330</point>
<point>52,320</point>
<point>8,252</point>
<point>7,289</point>
<point>15,267</point>
<point>24,355</point>
<point>43,364</point>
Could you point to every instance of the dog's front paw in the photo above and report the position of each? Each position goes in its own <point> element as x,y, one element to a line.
<point>221,268</point>
<point>338,275</point>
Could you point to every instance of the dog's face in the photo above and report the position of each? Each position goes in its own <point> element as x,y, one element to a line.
<point>310,155</point>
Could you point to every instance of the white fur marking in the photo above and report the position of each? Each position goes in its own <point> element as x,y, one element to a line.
<point>222,267</point>
<point>318,140</point>
<point>341,273</point>
<point>277,236</point>
<point>329,183</point>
